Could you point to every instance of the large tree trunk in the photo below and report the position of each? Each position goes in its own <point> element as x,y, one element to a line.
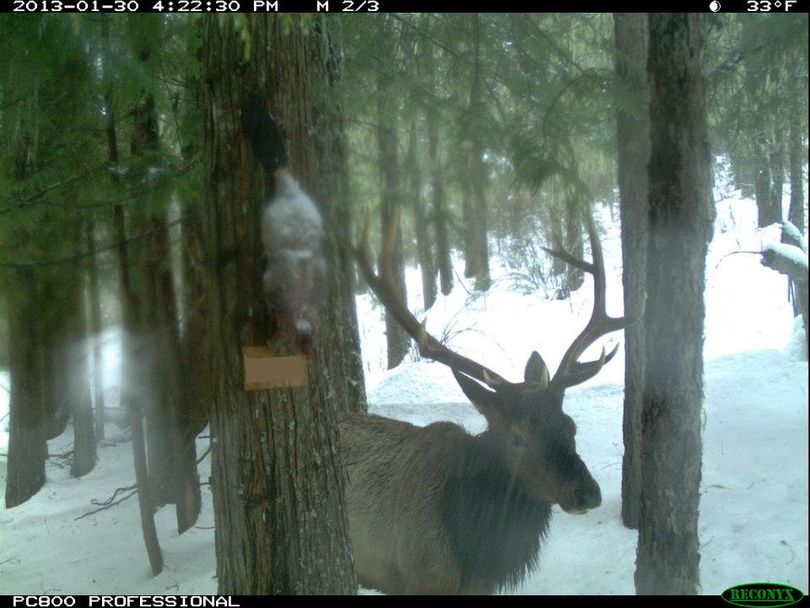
<point>423,240</point>
<point>330,182</point>
<point>27,448</point>
<point>680,221</point>
<point>158,320</point>
<point>633,136</point>
<point>277,482</point>
<point>131,397</point>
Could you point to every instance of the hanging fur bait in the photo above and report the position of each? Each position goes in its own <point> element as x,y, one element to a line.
<point>292,231</point>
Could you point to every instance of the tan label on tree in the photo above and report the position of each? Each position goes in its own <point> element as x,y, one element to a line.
<point>265,370</point>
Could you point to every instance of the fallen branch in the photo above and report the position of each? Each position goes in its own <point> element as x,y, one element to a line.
<point>133,489</point>
<point>111,501</point>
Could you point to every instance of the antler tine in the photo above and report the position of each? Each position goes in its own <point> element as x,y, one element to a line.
<point>571,371</point>
<point>385,289</point>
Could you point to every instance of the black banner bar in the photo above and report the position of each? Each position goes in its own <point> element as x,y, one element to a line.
<point>334,7</point>
<point>253,601</point>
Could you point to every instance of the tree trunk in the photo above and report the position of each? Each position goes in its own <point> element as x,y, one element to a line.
<point>196,374</point>
<point>96,326</point>
<point>796,161</point>
<point>573,277</point>
<point>423,240</point>
<point>767,212</point>
<point>796,209</point>
<point>27,449</point>
<point>330,182</point>
<point>173,470</point>
<point>479,248</point>
<point>438,206</point>
<point>776,161</point>
<point>158,323</point>
<point>277,482</point>
<point>131,399</point>
<point>57,375</point>
<point>76,362</point>
<point>198,381</point>
<point>391,199</point>
<point>470,259</point>
<point>27,445</point>
<point>130,312</point>
<point>633,137</point>
<point>680,221</point>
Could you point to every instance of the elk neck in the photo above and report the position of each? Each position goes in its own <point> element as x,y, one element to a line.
<point>495,526</point>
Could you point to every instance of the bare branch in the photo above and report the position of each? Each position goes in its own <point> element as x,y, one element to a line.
<point>111,501</point>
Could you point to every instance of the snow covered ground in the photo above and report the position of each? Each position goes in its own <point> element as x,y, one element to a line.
<point>754,501</point>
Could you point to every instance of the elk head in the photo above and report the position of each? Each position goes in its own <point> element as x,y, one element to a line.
<point>528,431</point>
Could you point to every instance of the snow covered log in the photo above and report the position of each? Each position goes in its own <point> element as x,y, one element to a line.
<point>791,260</point>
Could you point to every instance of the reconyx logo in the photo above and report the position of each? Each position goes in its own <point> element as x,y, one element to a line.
<point>762,595</point>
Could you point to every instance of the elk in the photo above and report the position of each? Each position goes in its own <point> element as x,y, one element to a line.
<point>436,510</point>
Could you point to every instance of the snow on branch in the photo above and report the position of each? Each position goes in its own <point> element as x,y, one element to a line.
<point>789,257</point>
<point>793,235</point>
<point>784,258</point>
<point>791,260</point>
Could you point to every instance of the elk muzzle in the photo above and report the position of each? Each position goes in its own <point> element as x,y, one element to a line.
<point>584,496</point>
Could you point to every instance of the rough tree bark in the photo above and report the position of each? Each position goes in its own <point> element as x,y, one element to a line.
<point>680,220</point>
<point>277,483</point>
<point>330,182</point>
<point>633,137</point>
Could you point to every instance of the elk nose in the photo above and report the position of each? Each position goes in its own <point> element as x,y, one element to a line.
<point>588,497</point>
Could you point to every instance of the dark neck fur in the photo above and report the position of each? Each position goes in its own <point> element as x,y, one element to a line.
<point>494,525</point>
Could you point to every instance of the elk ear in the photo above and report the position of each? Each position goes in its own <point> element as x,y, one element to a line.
<point>482,398</point>
<point>536,370</point>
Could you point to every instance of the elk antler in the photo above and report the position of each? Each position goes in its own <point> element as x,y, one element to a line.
<point>571,371</point>
<point>385,288</point>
